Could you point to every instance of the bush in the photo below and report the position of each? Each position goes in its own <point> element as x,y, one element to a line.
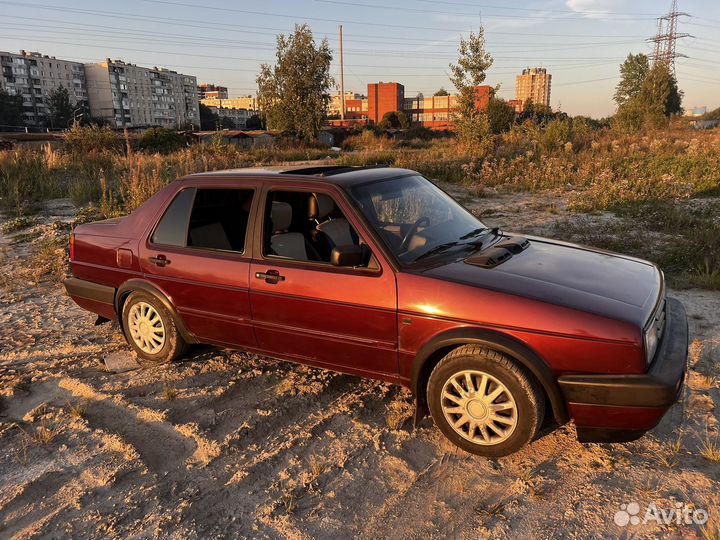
<point>161,140</point>
<point>92,139</point>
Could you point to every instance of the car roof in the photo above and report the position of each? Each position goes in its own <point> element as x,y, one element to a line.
<point>331,174</point>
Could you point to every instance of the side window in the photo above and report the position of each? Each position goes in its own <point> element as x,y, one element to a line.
<point>206,219</point>
<point>306,226</point>
<point>219,219</point>
<point>173,226</point>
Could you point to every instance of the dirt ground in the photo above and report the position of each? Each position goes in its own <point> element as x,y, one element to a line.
<point>225,444</point>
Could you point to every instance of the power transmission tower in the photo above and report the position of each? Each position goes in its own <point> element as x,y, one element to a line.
<point>667,36</point>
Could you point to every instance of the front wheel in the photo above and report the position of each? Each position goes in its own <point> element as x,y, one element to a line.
<point>150,330</point>
<point>484,402</point>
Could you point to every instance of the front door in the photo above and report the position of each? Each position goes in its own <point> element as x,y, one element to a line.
<point>304,307</point>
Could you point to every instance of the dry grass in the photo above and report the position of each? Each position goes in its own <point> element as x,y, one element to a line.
<point>169,393</point>
<point>710,449</point>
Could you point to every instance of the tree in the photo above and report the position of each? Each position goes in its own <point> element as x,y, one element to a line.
<point>294,94</point>
<point>10,111</point>
<point>660,91</point>
<point>254,122</point>
<point>500,115</point>
<point>632,76</point>
<point>208,119</point>
<point>161,140</point>
<point>227,123</point>
<point>469,72</point>
<point>394,120</point>
<point>657,99</point>
<point>60,110</point>
<point>441,92</point>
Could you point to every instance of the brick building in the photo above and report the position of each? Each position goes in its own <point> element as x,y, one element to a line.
<point>384,98</point>
<point>436,112</point>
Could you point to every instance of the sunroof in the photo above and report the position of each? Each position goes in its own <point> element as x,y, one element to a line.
<point>324,170</point>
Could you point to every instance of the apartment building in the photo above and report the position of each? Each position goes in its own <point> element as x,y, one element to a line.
<point>533,84</point>
<point>128,95</point>
<point>33,76</point>
<point>212,91</point>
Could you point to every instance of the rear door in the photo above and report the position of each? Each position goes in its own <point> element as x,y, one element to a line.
<point>305,308</point>
<point>199,255</point>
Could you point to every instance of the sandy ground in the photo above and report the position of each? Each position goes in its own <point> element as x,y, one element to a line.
<point>225,444</point>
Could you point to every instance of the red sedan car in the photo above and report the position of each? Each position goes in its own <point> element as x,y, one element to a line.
<point>379,273</point>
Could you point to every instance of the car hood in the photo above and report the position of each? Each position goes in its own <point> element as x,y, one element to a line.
<point>569,275</point>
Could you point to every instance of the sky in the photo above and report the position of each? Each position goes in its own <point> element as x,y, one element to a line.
<point>580,42</point>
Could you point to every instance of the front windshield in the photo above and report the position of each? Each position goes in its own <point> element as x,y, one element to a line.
<point>414,217</point>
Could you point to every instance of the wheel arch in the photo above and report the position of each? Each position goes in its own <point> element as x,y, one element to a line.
<point>433,351</point>
<point>135,285</point>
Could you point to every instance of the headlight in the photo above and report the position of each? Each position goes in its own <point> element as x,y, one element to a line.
<point>653,333</point>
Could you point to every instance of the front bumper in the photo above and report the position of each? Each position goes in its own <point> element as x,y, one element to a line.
<point>620,408</point>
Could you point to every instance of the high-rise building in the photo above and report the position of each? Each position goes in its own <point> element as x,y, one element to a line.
<point>33,76</point>
<point>212,91</point>
<point>533,84</point>
<point>133,96</point>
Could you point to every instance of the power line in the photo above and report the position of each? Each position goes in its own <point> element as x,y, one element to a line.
<point>465,14</point>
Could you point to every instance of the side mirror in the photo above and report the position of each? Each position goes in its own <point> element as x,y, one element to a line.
<point>349,255</point>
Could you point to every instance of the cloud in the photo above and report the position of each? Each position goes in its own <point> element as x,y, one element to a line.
<point>593,9</point>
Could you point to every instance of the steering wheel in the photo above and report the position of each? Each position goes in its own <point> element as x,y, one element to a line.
<point>413,230</point>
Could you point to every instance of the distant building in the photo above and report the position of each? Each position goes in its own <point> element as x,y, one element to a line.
<point>33,76</point>
<point>238,116</point>
<point>208,91</point>
<point>335,107</point>
<point>696,111</point>
<point>533,84</point>
<point>127,95</point>
<point>436,112</point>
<point>516,104</point>
<point>384,98</point>
<point>245,102</point>
<point>356,109</point>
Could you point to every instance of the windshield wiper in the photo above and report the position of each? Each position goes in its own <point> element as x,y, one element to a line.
<point>474,232</point>
<point>480,232</point>
<point>436,249</point>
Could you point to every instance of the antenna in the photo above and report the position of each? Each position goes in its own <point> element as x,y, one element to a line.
<point>666,38</point>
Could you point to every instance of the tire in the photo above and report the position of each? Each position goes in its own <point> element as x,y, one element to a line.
<point>519,401</point>
<point>152,332</point>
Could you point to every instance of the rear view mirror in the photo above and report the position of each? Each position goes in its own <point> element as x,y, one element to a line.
<point>349,255</point>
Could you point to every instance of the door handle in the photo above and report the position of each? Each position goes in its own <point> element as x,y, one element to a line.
<point>270,276</point>
<point>160,260</point>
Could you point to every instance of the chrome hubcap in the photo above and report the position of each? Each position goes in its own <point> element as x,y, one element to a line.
<point>146,328</point>
<point>479,407</point>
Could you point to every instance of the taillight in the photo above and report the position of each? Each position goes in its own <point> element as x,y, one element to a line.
<point>72,246</point>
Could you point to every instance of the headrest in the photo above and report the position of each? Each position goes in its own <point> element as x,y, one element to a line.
<point>280,215</point>
<point>319,206</point>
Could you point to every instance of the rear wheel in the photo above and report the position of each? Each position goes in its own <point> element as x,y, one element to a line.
<point>484,402</point>
<point>150,330</point>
